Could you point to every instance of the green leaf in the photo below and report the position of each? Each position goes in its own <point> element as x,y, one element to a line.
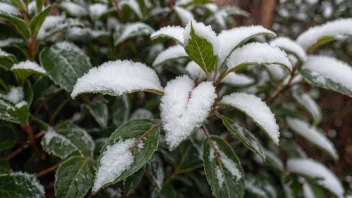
<point>99,110</point>
<point>39,4</point>
<point>19,24</point>
<point>28,93</point>
<point>121,110</point>
<point>167,192</point>
<point>133,181</point>
<point>321,41</point>
<point>131,30</point>
<point>23,70</point>
<point>37,21</point>
<point>245,136</point>
<point>156,171</point>
<point>224,174</point>
<point>172,53</point>
<point>6,60</point>
<point>8,137</point>
<point>64,63</point>
<point>201,50</point>
<point>74,177</point>
<point>116,157</point>
<point>19,4</point>
<point>61,26</point>
<point>4,167</point>
<point>67,138</point>
<point>14,113</point>
<point>259,187</point>
<point>192,2</point>
<point>308,104</point>
<point>170,32</point>
<point>20,184</point>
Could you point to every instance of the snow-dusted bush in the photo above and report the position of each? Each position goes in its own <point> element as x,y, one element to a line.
<point>141,99</point>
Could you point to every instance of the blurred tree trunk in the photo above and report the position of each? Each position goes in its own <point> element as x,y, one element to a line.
<point>267,11</point>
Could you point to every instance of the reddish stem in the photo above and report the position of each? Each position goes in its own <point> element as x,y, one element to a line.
<point>146,133</point>
<point>47,170</point>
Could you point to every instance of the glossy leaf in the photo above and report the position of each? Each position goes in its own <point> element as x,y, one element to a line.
<point>99,110</point>
<point>37,21</point>
<point>132,182</point>
<point>14,113</point>
<point>19,24</point>
<point>20,184</point>
<point>8,137</point>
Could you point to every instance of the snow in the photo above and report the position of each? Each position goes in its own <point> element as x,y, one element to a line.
<point>184,15</point>
<point>133,4</point>
<point>21,104</point>
<point>338,29</point>
<point>115,160</point>
<point>142,114</point>
<point>276,161</point>
<point>230,165</point>
<point>173,52</point>
<point>195,71</point>
<point>74,8</point>
<point>231,39</point>
<point>28,65</point>
<point>49,22</point>
<point>175,32</point>
<point>133,29</point>
<point>313,135</point>
<point>3,53</point>
<point>258,53</point>
<point>32,180</point>
<point>117,77</point>
<point>255,108</point>
<point>276,71</point>
<point>219,176</point>
<point>15,95</point>
<point>251,186</point>
<point>314,169</point>
<point>184,107</point>
<point>307,191</point>
<point>324,67</point>
<point>290,46</point>
<point>308,103</point>
<point>97,9</point>
<point>235,79</point>
<point>202,31</point>
<point>9,41</point>
<point>9,9</point>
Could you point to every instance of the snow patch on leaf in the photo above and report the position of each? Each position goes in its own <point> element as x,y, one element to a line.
<point>290,46</point>
<point>9,9</point>
<point>175,32</point>
<point>195,71</point>
<point>235,79</point>
<point>15,95</point>
<point>28,65</point>
<point>184,15</point>
<point>97,10</point>
<point>171,53</point>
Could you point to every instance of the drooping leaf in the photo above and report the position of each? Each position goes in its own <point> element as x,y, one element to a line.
<point>37,21</point>
<point>223,169</point>
<point>118,77</point>
<point>99,110</point>
<point>156,170</point>
<point>307,102</point>
<point>132,182</point>
<point>328,73</point>
<point>8,137</point>
<point>257,110</point>
<point>290,47</point>
<point>74,177</point>
<point>131,30</point>
<point>170,32</point>
<point>120,157</point>
<point>64,63</point>
<point>172,53</point>
<point>67,138</point>
<point>19,24</point>
<point>245,136</point>
<point>18,184</point>
<point>202,45</point>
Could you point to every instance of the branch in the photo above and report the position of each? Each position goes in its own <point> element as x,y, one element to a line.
<point>48,170</point>
<point>16,152</point>
<point>145,134</point>
<point>212,145</point>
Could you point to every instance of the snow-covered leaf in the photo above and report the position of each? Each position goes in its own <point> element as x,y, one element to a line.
<point>328,73</point>
<point>19,184</point>
<point>97,10</point>
<point>290,47</point>
<point>118,160</point>
<point>9,9</point>
<point>19,23</point>
<point>235,79</point>
<point>142,113</point>
<point>276,72</point>
<point>64,63</point>
<point>184,15</point>
<point>26,68</point>
<point>245,136</point>
<point>307,102</point>
<point>259,187</point>
<point>184,108</point>
<point>55,24</point>
<point>234,38</point>
<point>171,32</point>
<point>99,110</point>
<point>313,135</point>
<point>172,53</point>
<point>16,113</point>
<point>10,42</point>
<point>156,170</point>
<point>322,34</point>
<point>257,110</point>
<point>118,77</point>
<point>37,21</point>
<point>273,161</point>
<point>223,15</point>
<point>256,54</point>
<point>74,177</point>
<point>8,137</point>
<point>6,60</point>
<point>133,181</point>
<point>315,170</point>
<point>130,30</point>
<point>202,45</point>
<point>195,71</point>
<point>223,169</point>
<point>73,9</point>
<point>67,138</point>
<point>133,5</point>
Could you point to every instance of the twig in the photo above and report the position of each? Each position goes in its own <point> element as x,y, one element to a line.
<point>146,133</point>
<point>212,145</point>
<point>28,130</point>
<point>16,152</point>
<point>48,170</point>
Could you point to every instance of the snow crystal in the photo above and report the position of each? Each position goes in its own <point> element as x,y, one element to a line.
<point>338,29</point>
<point>219,176</point>
<point>97,9</point>
<point>204,32</point>
<point>330,68</point>
<point>33,181</point>
<point>15,95</point>
<point>117,77</point>
<point>116,159</point>
<point>290,46</point>
<point>184,108</point>
<point>258,53</point>
<point>74,8</point>
<point>184,15</point>
<point>255,108</point>
<point>195,71</point>
<point>175,32</point>
<point>312,134</point>
<point>231,39</point>
<point>173,52</point>
<point>30,65</point>
<point>308,103</point>
<point>235,79</point>
<point>314,169</point>
<point>8,9</point>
